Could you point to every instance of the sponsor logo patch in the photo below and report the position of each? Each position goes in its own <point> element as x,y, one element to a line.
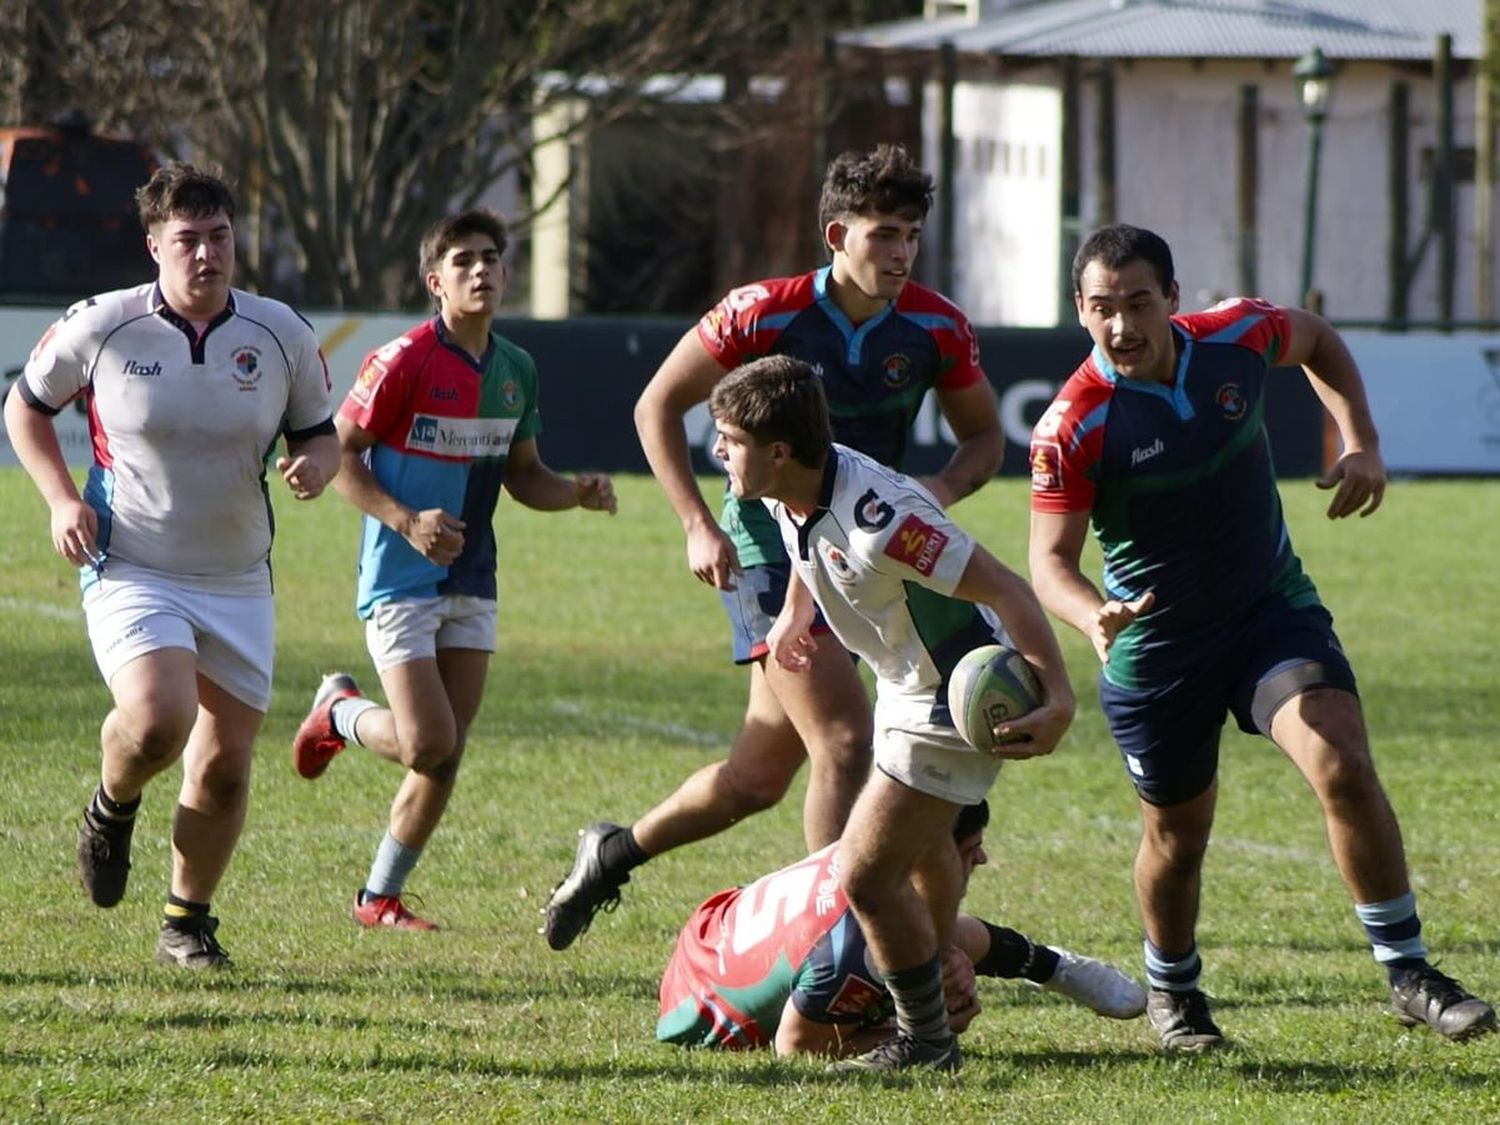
<point>364,384</point>
<point>855,998</point>
<point>1139,455</point>
<point>460,438</point>
<point>1046,466</point>
<point>872,513</point>
<point>917,544</point>
<point>143,370</point>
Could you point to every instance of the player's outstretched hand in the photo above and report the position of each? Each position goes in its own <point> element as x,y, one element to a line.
<point>712,557</point>
<point>74,529</point>
<point>435,535</point>
<point>1359,477</point>
<point>303,475</point>
<point>1111,618</point>
<point>596,492</point>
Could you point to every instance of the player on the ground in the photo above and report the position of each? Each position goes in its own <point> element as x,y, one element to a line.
<point>906,590</point>
<point>190,384</point>
<point>783,961</point>
<point>436,422</point>
<point>1157,440</point>
<point>880,342</point>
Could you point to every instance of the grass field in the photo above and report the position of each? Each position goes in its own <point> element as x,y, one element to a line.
<point>610,686</point>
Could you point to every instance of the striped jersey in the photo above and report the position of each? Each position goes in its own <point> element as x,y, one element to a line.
<point>747,950</point>
<point>875,373</point>
<point>882,559</point>
<point>182,424</point>
<point>1178,483</point>
<point>444,424</point>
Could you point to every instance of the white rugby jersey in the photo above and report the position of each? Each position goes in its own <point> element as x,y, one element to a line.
<point>182,424</point>
<point>882,558</point>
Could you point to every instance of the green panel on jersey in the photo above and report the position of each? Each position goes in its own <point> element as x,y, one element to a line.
<point>752,530</point>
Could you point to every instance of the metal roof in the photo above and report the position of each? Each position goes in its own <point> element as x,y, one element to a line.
<point>1344,29</point>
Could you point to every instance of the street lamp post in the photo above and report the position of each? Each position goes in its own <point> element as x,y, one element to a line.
<point>1314,75</point>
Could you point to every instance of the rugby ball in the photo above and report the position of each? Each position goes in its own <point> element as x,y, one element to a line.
<point>989,686</point>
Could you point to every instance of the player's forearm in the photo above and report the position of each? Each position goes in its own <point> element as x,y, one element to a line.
<point>541,489</point>
<point>974,464</point>
<point>1066,594</point>
<point>664,441</point>
<point>356,484</point>
<point>1336,381</point>
<point>34,439</point>
<point>321,449</point>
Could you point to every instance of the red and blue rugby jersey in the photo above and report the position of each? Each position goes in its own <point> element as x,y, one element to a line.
<point>746,950</point>
<point>1178,482</point>
<point>875,373</point>
<point>445,425</point>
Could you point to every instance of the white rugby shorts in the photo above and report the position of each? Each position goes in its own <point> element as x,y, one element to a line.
<point>132,611</point>
<point>399,632</point>
<point>929,758</point>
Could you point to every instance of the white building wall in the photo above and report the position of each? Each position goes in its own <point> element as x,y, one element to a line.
<point>1007,187</point>
<point>1176,155</point>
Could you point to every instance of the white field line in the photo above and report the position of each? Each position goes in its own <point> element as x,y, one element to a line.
<point>41,609</point>
<point>646,726</point>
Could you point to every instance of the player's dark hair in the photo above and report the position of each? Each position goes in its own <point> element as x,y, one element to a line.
<point>884,179</point>
<point>1115,247</point>
<point>444,233</point>
<point>181,189</point>
<point>777,398</point>
<point>971,819</point>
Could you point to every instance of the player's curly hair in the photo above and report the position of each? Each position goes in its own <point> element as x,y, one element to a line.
<point>1116,246</point>
<point>441,236</point>
<point>884,179</point>
<point>777,398</point>
<point>185,190</point>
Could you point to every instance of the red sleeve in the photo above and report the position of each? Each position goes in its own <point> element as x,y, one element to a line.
<point>1247,321</point>
<point>958,346</point>
<point>377,401</point>
<point>746,322</point>
<point>1067,442</point>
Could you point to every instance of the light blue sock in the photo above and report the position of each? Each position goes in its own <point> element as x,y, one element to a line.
<point>393,863</point>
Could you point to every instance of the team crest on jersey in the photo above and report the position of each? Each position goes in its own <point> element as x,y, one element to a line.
<point>246,366</point>
<point>1231,401</point>
<point>896,370</point>
<point>917,544</point>
<point>510,394</point>
<point>1046,466</point>
<point>838,562</point>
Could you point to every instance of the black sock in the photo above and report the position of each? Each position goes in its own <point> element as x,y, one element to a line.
<point>1012,954</point>
<point>619,854</point>
<point>182,914</point>
<point>104,807</point>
